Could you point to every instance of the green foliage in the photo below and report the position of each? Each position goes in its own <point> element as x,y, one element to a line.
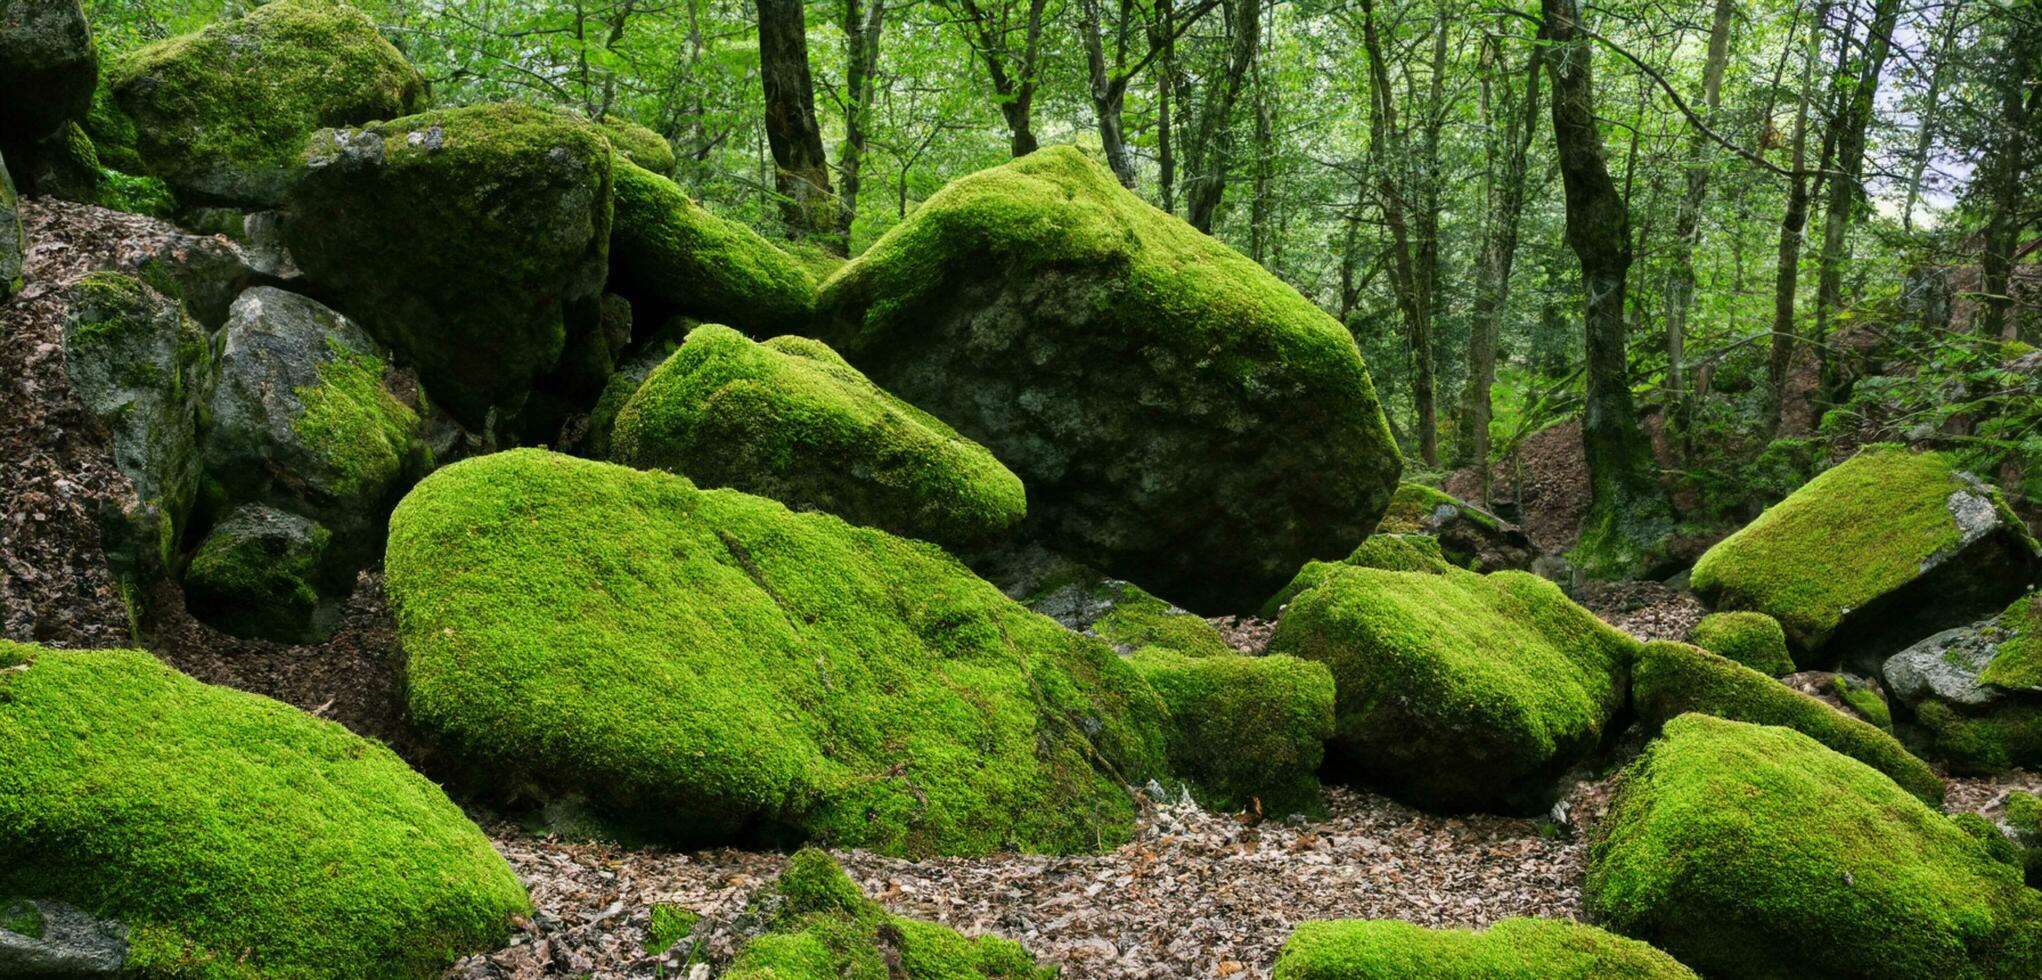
<point>788,419</point>
<point>671,253</point>
<point>667,925</point>
<point>1750,638</point>
<point>1513,949</point>
<point>1754,851</point>
<point>136,195</point>
<point>1248,732</point>
<point>1671,679</point>
<point>236,837</point>
<point>703,663</point>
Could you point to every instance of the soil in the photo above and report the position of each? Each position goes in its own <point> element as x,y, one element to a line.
<point>1542,485</point>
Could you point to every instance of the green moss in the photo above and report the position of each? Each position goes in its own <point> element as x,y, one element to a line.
<point>1851,535</point>
<point>819,926</point>
<point>676,255</point>
<point>1414,506</point>
<point>1513,949</point>
<point>136,195</point>
<point>1755,851</point>
<point>2008,738</point>
<point>1863,700</point>
<point>788,419</point>
<point>1134,619</point>
<point>667,925</point>
<point>112,132</point>
<point>224,113</point>
<point>1248,732</point>
<point>708,662</point>
<point>1673,678</point>
<point>256,574</point>
<point>2024,811</point>
<point>236,836</point>
<point>639,145</point>
<point>364,434</point>
<point>1997,846</point>
<point>1750,638</point>
<point>2017,660</point>
<point>1456,689</point>
<point>22,919</point>
<point>1390,552</point>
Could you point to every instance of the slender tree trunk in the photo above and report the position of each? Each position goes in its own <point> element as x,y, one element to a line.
<point>1629,517</point>
<point>1846,187</point>
<point>1409,275</point>
<point>1167,85</point>
<point>801,170</point>
<point>1687,226</point>
<point>1261,204</point>
<point>1787,277</point>
<point>861,65</point>
<point>2003,175</point>
<point>1925,137</point>
<point>1108,89</point>
<point>1208,185</point>
<point>1013,85</point>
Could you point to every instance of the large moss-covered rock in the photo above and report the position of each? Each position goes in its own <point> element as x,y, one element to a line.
<point>258,573</point>
<point>639,145</point>
<point>233,836</point>
<point>672,256</point>
<point>788,419</point>
<point>145,368</point>
<point>1181,417</point>
<point>1671,679</point>
<point>1755,851</point>
<point>704,663</point>
<point>1391,552</point>
<point>1457,690</point>
<point>472,241</point>
<point>1469,536</point>
<point>1513,949</point>
<point>222,114</point>
<point>48,65</point>
<point>1750,638</point>
<point>1885,548</point>
<point>814,924</point>
<point>1975,692</point>
<point>307,418</point>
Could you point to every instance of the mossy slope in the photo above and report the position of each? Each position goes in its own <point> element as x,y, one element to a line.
<point>708,662</point>
<point>1755,851</point>
<point>788,419</point>
<point>672,256</point>
<point>1513,949</point>
<point>236,836</point>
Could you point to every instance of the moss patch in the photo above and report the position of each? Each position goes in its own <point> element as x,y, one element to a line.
<point>1513,949</point>
<point>1390,552</point>
<point>1671,679</point>
<point>2017,660</point>
<point>365,435</point>
<point>2008,738</point>
<point>1248,732</point>
<point>672,255</point>
<point>788,419</point>
<point>257,574</point>
<point>707,663</point>
<point>1750,638</point>
<point>1861,698</point>
<point>236,836</point>
<point>1755,851</point>
<point>639,145</point>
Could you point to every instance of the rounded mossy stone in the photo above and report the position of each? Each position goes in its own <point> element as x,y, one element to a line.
<point>1882,538</point>
<point>705,663</point>
<point>1864,698</point>
<point>2006,737</point>
<point>1753,639</point>
<point>788,419</point>
<point>257,574</point>
<point>1247,732</point>
<point>48,65</point>
<point>222,114</point>
<point>631,372</point>
<point>1755,851</point>
<point>1513,949</point>
<point>2017,659</point>
<point>815,924</point>
<point>1183,419</point>
<point>1468,536</point>
<point>639,145</point>
<point>1390,552</point>
<point>472,241</point>
<point>235,836</point>
<point>674,256</point>
<point>1670,679</point>
<point>1456,690</point>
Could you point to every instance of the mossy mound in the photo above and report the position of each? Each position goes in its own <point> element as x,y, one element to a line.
<point>1468,536</point>
<point>672,256</point>
<point>707,664</point>
<point>1248,733</point>
<point>222,114</point>
<point>236,837</point>
<point>1390,552</point>
<point>2008,736</point>
<point>257,573</point>
<point>639,145</point>
<point>1750,638</point>
<point>1182,418</point>
<point>816,925</point>
<point>1671,679</point>
<point>1456,690</point>
<point>1122,614</point>
<point>2017,658</point>
<point>788,419</point>
<point>1886,547</point>
<point>472,241</point>
<point>1754,851</point>
<point>1513,949</point>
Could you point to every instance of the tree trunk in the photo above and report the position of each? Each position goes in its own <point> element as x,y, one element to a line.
<point>801,170</point>
<point>1261,205</point>
<point>1208,184</point>
<point>1108,90</point>
<point>1846,188</point>
<point>1408,274</point>
<point>1787,278</point>
<point>2003,176</point>
<point>1166,87</point>
<point>861,64</point>
<point>1687,225</point>
<point>1924,138</point>
<point>1629,518</point>
<point>1015,87</point>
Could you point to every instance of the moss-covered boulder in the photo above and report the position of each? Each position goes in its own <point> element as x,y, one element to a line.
<point>1671,679</point>
<point>258,574</point>
<point>1513,949</point>
<point>1182,418</point>
<point>222,114</point>
<point>1468,535</point>
<point>1750,638</point>
<point>232,835</point>
<point>1456,690</point>
<point>670,255</point>
<point>815,924</point>
<point>48,65</point>
<point>1883,549</point>
<point>1755,851</point>
<point>472,241</point>
<point>1391,552</point>
<point>1975,692</point>
<point>639,145</point>
<point>13,243</point>
<point>788,419</point>
<point>704,664</point>
<point>144,367</point>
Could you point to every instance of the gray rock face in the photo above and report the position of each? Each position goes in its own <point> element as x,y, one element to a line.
<point>48,66</point>
<point>12,242</point>
<point>258,574</point>
<point>1945,667</point>
<point>306,417</point>
<point>54,940</point>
